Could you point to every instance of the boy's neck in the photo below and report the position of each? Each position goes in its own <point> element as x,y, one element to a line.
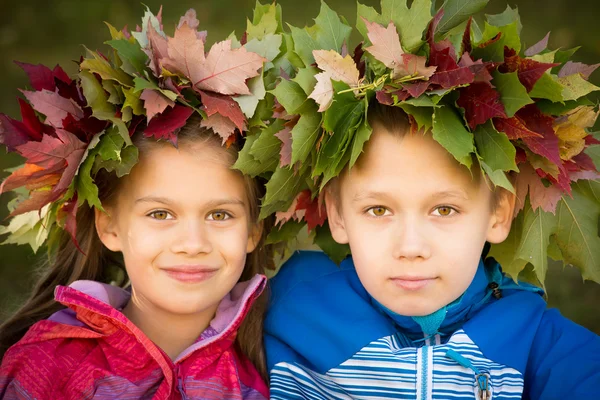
<point>173,333</point>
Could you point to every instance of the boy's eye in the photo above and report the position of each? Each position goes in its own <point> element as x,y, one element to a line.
<point>377,211</point>
<point>218,216</point>
<point>444,211</point>
<point>160,215</point>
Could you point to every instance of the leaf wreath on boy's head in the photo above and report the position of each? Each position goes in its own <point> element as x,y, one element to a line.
<point>473,86</point>
<point>147,81</point>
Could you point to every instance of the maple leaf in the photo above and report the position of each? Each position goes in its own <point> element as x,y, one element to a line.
<point>224,70</point>
<point>67,213</point>
<point>528,181</point>
<point>545,145</point>
<point>315,211</point>
<point>158,48</point>
<point>529,71</point>
<point>166,125</point>
<point>225,106</point>
<point>42,77</point>
<point>220,125</point>
<point>514,128</point>
<point>32,176</point>
<point>538,47</point>
<point>285,155</point>
<point>14,133</point>
<point>155,102</point>
<point>384,98</point>
<point>449,74</point>
<point>570,130</point>
<point>334,67</point>
<point>571,68</point>
<point>481,103</point>
<point>281,217</point>
<point>386,48</point>
<point>478,68</point>
<point>53,106</point>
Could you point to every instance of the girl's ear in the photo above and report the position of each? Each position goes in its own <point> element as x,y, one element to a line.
<point>335,219</point>
<point>502,217</point>
<point>106,229</point>
<point>254,235</point>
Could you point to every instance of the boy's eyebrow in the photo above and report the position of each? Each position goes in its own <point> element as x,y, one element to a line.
<point>450,193</point>
<point>210,204</point>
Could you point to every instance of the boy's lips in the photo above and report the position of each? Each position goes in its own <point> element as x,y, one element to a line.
<point>412,282</point>
<point>190,273</point>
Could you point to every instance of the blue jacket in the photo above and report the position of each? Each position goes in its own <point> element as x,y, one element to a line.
<point>326,338</point>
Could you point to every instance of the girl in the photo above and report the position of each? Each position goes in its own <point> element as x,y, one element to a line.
<point>186,225</point>
<point>182,223</point>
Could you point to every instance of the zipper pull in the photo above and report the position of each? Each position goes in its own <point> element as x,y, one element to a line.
<point>483,384</point>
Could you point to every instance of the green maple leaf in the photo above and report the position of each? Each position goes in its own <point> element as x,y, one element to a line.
<point>495,148</point>
<point>305,77</point>
<point>507,17</point>
<point>576,86</point>
<point>449,131</point>
<point>267,146</point>
<point>130,53</point>
<point>291,96</point>
<point>577,233</point>
<point>458,11</point>
<point>248,165</point>
<point>328,33</point>
<point>286,232</point>
<point>548,87</point>
<point>422,115</point>
<point>337,252</point>
<point>363,133</point>
<point>512,93</point>
<point>282,188</point>
<point>305,135</point>
<point>509,37</point>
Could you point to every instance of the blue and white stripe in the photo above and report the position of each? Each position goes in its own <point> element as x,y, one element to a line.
<point>384,370</point>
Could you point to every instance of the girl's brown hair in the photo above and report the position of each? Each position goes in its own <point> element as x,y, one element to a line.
<point>70,264</point>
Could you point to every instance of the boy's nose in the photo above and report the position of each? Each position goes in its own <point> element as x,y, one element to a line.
<point>410,240</point>
<point>192,238</point>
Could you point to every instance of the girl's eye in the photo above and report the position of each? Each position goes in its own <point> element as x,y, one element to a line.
<point>219,216</point>
<point>444,211</point>
<point>160,215</point>
<point>378,211</point>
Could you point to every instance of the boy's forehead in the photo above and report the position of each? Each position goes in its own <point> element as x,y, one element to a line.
<point>413,160</point>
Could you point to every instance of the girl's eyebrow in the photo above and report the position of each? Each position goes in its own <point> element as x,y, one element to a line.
<point>210,204</point>
<point>373,195</point>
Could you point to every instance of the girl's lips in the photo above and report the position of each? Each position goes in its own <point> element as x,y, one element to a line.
<point>190,274</point>
<point>410,283</point>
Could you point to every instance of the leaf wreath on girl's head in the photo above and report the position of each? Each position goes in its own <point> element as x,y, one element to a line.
<point>147,81</point>
<point>478,93</point>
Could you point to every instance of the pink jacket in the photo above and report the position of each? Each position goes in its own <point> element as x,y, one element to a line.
<point>90,350</point>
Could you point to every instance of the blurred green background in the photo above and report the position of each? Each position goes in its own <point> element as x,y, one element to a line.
<point>54,31</point>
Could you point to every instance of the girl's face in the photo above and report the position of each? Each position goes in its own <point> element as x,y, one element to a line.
<point>181,220</point>
<point>416,222</point>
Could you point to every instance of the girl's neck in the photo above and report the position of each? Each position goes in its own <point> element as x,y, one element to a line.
<point>173,333</point>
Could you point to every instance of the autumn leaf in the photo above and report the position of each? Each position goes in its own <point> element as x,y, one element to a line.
<point>155,103</point>
<point>334,67</point>
<point>538,47</point>
<point>166,125</point>
<point>53,106</point>
<point>220,125</point>
<point>529,71</point>
<point>225,106</point>
<point>528,181</point>
<point>571,68</point>
<point>285,136</point>
<point>481,103</point>
<point>223,70</point>
<point>42,77</point>
<point>314,214</point>
<point>387,49</point>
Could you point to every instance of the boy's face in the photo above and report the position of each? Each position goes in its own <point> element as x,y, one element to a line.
<point>416,222</point>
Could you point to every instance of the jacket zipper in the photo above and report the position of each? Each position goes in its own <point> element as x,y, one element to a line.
<point>481,378</point>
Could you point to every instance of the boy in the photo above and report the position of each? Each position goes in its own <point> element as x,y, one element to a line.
<point>415,312</point>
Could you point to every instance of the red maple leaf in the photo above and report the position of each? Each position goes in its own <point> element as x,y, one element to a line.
<point>167,124</point>
<point>528,70</point>
<point>514,128</point>
<point>224,105</point>
<point>42,77</point>
<point>315,215</point>
<point>481,103</point>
